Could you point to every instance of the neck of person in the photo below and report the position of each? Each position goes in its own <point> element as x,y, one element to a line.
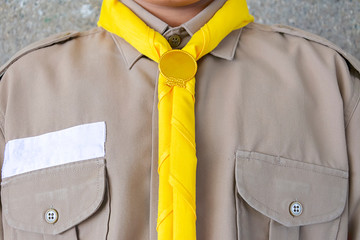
<point>174,14</point>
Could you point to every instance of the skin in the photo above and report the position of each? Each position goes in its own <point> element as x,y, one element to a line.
<point>174,12</point>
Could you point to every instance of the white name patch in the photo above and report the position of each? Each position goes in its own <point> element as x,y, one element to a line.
<point>73,144</point>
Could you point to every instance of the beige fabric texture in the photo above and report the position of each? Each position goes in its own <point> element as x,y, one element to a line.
<point>277,121</point>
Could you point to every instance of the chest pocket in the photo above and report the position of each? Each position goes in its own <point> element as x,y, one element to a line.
<point>61,202</point>
<point>291,198</point>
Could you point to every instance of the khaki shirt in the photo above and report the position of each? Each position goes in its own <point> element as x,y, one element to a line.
<point>277,133</point>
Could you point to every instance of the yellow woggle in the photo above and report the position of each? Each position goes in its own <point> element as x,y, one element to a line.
<point>176,96</point>
<point>178,67</point>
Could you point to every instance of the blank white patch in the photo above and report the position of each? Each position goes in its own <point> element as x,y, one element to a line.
<point>73,144</point>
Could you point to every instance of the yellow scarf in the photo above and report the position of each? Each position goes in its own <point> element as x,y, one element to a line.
<point>176,91</point>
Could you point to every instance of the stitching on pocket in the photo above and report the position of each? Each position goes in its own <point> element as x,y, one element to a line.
<point>90,209</point>
<point>59,170</point>
<point>333,172</point>
<point>277,214</point>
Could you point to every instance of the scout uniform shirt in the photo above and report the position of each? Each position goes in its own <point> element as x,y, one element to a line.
<point>277,133</point>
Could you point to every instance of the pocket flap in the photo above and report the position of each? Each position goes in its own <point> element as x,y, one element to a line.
<point>270,184</point>
<point>75,190</point>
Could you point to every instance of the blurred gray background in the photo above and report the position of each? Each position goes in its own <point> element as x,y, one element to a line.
<point>25,21</point>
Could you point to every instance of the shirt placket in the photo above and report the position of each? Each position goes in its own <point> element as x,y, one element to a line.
<point>154,181</point>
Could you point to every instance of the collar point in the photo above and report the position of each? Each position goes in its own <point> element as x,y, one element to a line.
<point>227,48</point>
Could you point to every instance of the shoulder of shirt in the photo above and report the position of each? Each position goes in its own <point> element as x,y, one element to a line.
<point>47,43</point>
<point>295,32</point>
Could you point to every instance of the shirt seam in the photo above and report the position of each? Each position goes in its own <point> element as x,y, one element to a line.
<point>63,37</point>
<point>2,122</point>
<point>352,113</point>
<point>295,32</point>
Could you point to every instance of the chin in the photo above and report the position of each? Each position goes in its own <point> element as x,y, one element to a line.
<point>173,3</point>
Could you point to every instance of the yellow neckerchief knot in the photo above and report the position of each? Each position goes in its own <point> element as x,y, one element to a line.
<point>176,91</point>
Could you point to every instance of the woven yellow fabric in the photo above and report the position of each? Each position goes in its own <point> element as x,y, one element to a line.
<point>176,91</point>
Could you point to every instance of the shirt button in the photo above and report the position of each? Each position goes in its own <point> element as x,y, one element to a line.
<point>174,40</point>
<point>296,209</point>
<point>51,216</point>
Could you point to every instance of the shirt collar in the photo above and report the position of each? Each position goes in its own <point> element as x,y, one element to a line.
<point>225,50</point>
